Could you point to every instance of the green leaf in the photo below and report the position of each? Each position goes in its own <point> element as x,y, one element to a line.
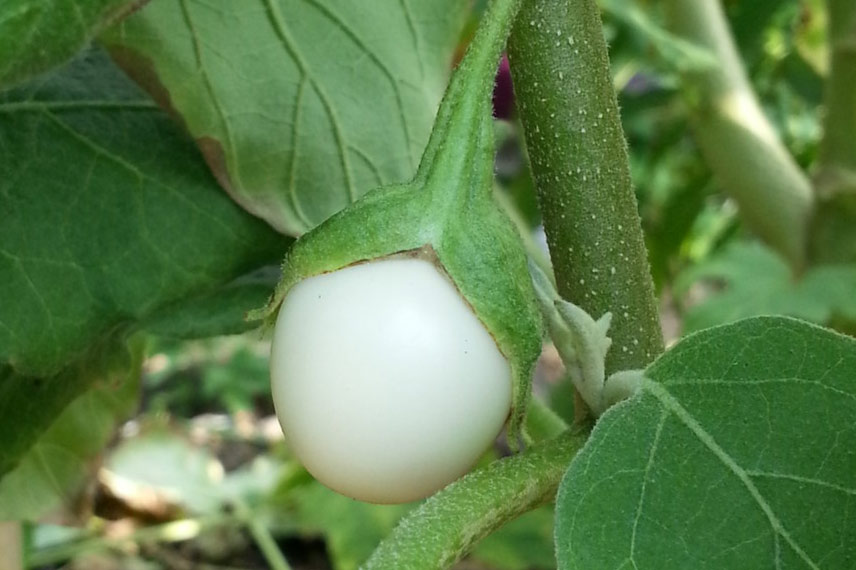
<point>29,405</point>
<point>737,454</point>
<point>36,35</point>
<point>751,23</point>
<point>109,214</point>
<point>759,282</point>
<point>50,475</point>
<point>299,107</point>
<point>212,313</point>
<point>167,470</point>
<point>674,52</point>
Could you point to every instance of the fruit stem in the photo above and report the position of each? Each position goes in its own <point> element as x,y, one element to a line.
<point>444,528</point>
<point>455,140</point>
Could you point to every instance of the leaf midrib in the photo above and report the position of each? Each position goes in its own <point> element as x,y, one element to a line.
<point>101,105</point>
<point>670,403</point>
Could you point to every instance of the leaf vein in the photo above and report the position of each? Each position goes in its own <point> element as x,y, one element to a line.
<point>281,30</point>
<point>640,505</point>
<point>757,381</point>
<point>399,101</point>
<point>105,105</point>
<point>292,173</point>
<point>209,87</point>
<point>142,176</point>
<point>800,479</point>
<point>674,406</point>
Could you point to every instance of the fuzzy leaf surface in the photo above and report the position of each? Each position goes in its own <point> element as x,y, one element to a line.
<point>213,313</point>
<point>108,214</point>
<point>737,454</point>
<point>36,35</point>
<point>299,107</point>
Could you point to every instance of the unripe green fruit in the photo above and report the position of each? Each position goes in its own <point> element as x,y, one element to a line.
<point>386,384</point>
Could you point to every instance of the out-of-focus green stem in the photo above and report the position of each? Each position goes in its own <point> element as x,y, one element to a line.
<point>263,538</point>
<point>11,542</point>
<point>578,156</point>
<point>738,142</point>
<point>833,230</point>
<point>447,525</point>
<point>837,163</point>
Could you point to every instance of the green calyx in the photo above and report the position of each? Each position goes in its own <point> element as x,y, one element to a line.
<point>447,215</point>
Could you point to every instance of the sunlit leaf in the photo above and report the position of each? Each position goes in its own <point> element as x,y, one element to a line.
<point>108,215</point>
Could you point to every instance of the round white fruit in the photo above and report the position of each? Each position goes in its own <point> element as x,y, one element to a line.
<point>386,384</point>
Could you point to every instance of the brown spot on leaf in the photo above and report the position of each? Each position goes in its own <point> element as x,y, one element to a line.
<point>142,70</point>
<point>214,156</point>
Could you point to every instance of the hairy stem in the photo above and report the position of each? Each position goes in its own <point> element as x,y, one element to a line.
<point>447,525</point>
<point>737,140</point>
<point>579,159</point>
<point>837,166</point>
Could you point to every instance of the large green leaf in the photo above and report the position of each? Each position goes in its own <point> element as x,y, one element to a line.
<point>298,106</point>
<point>759,282</point>
<point>219,312</point>
<point>738,453</point>
<point>36,35</point>
<point>108,214</point>
<point>48,478</point>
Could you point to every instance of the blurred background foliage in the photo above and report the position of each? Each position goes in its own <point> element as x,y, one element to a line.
<point>199,476</point>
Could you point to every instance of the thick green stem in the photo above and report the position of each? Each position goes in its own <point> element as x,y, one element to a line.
<point>838,148</point>
<point>578,156</point>
<point>447,525</point>
<point>737,140</point>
